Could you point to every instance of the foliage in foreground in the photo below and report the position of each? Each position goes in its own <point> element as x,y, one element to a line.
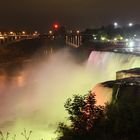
<point>25,134</point>
<point>115,121</point>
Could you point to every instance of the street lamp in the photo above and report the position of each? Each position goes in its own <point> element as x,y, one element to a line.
<point>135,35</point>
<point>126,39</point>
<point>115,24</point>
<point>23,32</point>
<point>95,38</point>
<point>103,38</point>
<point>36,32</point>
<point>130,24</point>
<point>115,39</point>
<point>50,32</point>
<point>77,31</point>
<point>11,33</point>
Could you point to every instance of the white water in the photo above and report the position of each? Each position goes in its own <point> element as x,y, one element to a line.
<point>104,65</point>
<point>34,97</point>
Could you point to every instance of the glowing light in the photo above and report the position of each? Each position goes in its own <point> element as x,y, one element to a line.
<point>23,32</point>
<point>115,39</point>
<point>121,38</point>
<point>103,38</point>
<point>131,44</point>
<point>50,32</point>
<point>11,33</point>
<point>115,24</point>
<point>130,24</point>
<point>115,50</point>
<point>131,49</point>
<point>1,37</point>
<point>126,40</point>
<point>56,26</point>
<point>77,31</point>
<point>95,38</point>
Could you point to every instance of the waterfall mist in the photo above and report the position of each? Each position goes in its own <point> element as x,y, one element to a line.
<point>34,98</point>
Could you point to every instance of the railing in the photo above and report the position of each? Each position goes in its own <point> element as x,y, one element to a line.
<point>11,38</point>
<point>74,40</point>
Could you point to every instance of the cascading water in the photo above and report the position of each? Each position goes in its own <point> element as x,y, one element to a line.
<point>36,96</point>
<point>104,65</point>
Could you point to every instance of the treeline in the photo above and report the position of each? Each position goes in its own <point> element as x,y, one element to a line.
<point>118,120</point>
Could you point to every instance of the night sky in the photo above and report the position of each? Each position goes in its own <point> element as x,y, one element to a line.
<point>41,14</point>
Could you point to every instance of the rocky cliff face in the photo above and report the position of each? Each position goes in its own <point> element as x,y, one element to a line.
<point>128,73</point>
<point>126,86</point>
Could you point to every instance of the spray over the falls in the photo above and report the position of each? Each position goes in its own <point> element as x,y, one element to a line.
<point>34,97</point>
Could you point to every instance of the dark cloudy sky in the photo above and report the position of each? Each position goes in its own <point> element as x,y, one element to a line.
<point>40,14</point>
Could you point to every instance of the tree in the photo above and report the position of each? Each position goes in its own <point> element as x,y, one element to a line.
<point>84,115</point>
<point>119,120</point>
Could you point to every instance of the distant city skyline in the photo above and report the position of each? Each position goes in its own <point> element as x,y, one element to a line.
<point>78,14</point>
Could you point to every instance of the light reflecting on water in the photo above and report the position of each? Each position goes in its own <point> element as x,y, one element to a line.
<point>16,80</point>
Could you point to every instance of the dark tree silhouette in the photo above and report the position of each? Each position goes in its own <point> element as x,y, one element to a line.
<point>118,120</point>
<point>84,115</point>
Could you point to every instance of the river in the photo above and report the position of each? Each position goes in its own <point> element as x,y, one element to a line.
<point>32,94</point>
